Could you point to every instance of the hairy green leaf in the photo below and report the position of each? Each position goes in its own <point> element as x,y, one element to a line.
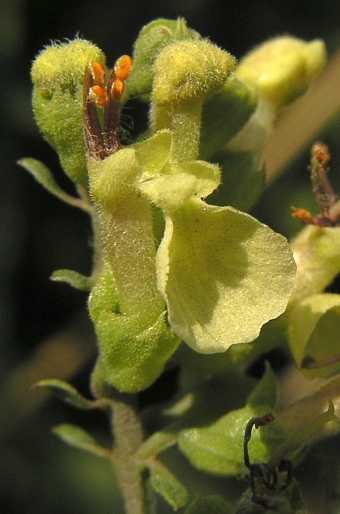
<point>44,176</point>
<point>68,394</point>
<point>79,438</point>
<point>158,442</point>
<point>73,278</point>
<point>167,485</point>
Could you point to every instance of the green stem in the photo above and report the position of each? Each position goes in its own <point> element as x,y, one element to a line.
<point>127,434</point>
<point>128,437</point>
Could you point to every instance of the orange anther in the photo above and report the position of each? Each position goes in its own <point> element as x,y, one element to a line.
<point>98,73</point>
<point>302,214</point>
<point>117,90</point>
<point>123,67</point>
<point>98,95</point>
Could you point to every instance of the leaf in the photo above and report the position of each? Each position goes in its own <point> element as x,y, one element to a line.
<point>73,278</point>
<point>217,449</point>
<point>68,394</point>
<point>213,504</point>
<point>223,274</point>
<point>266,391</point>
<point>44,176</point>
<point>167,485</point>
<point>79,438</point>
<point>158,442</point>
<point>313,333</point>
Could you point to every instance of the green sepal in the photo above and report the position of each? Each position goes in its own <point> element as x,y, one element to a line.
<point>68,394</point>
<point>44,176</point>
<point>132,357</point>
<point>167,485</point>
<point>242,180</point>
<point>212,504</point>
<point>133,351</point>
<point>224,114</point>
<point>151,40</point>
<point>73,278</point>
<point>58,78</point>
<point>104,295</point>
<point>313,334</point>
<point>217,448</point>
<point>79,438</point>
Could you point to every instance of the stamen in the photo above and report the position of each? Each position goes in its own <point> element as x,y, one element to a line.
<point>93,133</point>
<point>323,191</point>
<point>321,187</point>
<point>103,141</point>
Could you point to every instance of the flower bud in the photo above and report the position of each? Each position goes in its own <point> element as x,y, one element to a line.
<point>58,75</point>
<point>151,40</point>
<point>282,68</point>
<point>186,74</point>
<point>190,70</point>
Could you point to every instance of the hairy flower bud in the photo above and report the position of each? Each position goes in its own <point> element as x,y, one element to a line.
<point>282,68</point>
<point>58,76</point>
<point>151,40</point>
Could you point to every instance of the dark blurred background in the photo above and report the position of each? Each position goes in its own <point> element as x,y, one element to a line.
<point>44,332</point>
